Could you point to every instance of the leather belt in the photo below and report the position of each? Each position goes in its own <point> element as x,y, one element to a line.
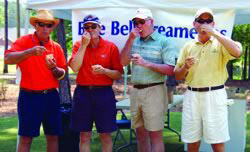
<point>38,91</point>
<point>205,88</point>
<point>93,87</point>
<point>142,86</point>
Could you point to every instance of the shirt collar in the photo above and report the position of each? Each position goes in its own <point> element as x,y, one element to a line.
<point>36,40</point>
<point>152,36</point>
<point>197,40</point>
<point>101,42</point>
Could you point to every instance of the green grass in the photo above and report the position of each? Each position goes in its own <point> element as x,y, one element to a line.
<point>8,133</point>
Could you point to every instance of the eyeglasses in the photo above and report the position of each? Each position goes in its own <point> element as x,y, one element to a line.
<point>202,21</point>
<point>93,26</point>
<point>141,21</point>
<point>41,24</point>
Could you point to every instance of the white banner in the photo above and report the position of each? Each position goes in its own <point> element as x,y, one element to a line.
<point>176,24</point>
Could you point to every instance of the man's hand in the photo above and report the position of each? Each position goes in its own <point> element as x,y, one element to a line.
<point>189,61</point>
<point>51,63</point>
<point>138,60</point>
<point>134,33</point>
<point>205,28</point>
<point>98,69</point>
<point>86,38</point>
<point>37,50</point>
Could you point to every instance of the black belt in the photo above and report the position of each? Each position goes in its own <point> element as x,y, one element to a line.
<point>205,88</point>
<point>93,87</point>
<point>142,86</point>
<point>38,91</point>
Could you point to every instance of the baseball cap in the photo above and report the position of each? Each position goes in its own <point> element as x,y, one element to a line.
<point>91,19</point>
<point>202,11</point>
<point>143,13</point>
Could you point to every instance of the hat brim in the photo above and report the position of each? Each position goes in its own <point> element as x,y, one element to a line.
<point>140,17</point>
<point>93,22</point>
<point>34,20</point>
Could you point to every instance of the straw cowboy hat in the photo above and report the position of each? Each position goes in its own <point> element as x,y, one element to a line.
<point>43,15</point>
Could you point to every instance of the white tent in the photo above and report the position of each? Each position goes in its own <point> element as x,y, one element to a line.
<point>229,12</point>
<point>63,7</point>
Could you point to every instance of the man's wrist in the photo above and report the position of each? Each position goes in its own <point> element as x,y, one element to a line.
<point>105,71</point>
<point>186,68</point>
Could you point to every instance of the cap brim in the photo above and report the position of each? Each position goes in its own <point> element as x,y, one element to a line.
<point>140,17</point>
<point>34,20</point>
<point>92,22</point>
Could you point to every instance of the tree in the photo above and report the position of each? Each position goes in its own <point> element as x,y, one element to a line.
<point>64,89</point>
<point>5,69</point>
<point>1,17</point>
<point>12,13</point>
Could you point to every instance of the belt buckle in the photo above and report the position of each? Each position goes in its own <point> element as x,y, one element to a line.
<point>91,87</point>
<point>45,91</point>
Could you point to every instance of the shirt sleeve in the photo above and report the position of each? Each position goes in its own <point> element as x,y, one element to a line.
<point>115,59</point>
<point>182,56</point>
<point>168,52</point>
<point>17,46</point>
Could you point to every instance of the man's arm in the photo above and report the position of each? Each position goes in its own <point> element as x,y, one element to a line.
<point>161,68</point>
<point>76,62</point>
<point>164,69</point>
<point>57,72</point>
<point>17,57</point>
<point>113,74</point>
<point>182,71</point>
<point>126,51</point>
<point>231,46</point>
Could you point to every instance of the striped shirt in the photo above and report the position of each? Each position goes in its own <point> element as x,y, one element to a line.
<point>156,49</point>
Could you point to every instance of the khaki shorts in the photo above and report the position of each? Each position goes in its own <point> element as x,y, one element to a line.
<point>148,107</point>
<point>205,114</point>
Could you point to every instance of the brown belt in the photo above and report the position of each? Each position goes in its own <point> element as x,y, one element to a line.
<point>143,86</point>
<point>38,91</point>
<point>205,88</point>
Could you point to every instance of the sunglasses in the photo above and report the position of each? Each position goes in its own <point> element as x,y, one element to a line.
<point>137,22</point>
<point>41,24</point>
<point>93,26</point>
<point>202,21</point>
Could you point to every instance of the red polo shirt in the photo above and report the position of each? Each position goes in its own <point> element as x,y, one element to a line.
<point>106,54</point>
<point>35,73</point>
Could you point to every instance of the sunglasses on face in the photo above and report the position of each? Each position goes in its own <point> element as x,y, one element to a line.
<point>41,24</point>
<point>93,26</point>
<point>202,21</point>
<point>137,22</point>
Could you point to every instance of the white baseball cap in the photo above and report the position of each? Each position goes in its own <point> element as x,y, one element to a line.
<point>143,13</point>
<point>202,11</point>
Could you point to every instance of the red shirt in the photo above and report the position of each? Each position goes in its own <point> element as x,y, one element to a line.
<point>35,73</point>
<point>106,54</point>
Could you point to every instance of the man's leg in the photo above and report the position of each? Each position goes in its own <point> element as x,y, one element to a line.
<point>106,141</point>
<point>85,141</point>
<point>218,147</point>
<point>24,144</point>
<point>52,143</point>
<point>194,147</point>
<point>156,141</point>
<point>143,140</point>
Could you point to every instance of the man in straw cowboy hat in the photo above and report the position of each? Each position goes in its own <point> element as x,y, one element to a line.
<point>202,63</point>
<point>42,64</point>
